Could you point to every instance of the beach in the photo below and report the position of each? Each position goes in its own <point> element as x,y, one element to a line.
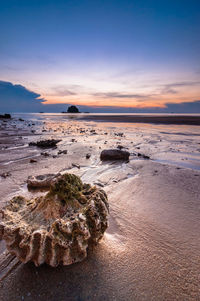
<point>150,250</point>
<point>190,119</point>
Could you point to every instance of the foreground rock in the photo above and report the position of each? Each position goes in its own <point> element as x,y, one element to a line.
<point>114,154</point>
<point>56,228</point>
<point>45,143</point>
<point>41,181</point>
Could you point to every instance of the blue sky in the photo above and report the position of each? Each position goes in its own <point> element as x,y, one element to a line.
<point>101,54</point>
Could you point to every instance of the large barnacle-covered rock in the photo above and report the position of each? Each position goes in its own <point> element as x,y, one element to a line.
<point>58,227</point>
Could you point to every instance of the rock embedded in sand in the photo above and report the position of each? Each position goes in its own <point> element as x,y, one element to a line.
<point>88,156</point>
<point>56,228</point>
<point>45,143</point>
<point>114,154</point>
<point>76,165</point>
<point>45,154</point>
<point>60,152</point>
<point>33,161</point>
<point>5,175</point>
<point>143,156</point>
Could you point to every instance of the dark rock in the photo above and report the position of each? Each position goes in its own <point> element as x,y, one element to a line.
<point>5,175</point>
<point>45,154</point>
<point>114,154</point>
<point>76,165</point>
<point>6,116</point>
<point>120,147</point>
<point>143,156</point>
<point>45,143</point>
<point>88,156</point>
<point>62,152</point>
<point>33,161</point>
<point>119,134</point>
<point>93,132</point>
<point>72,109</point>
<point>20,119</point>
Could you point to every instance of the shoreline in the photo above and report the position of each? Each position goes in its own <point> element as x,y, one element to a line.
<point>179,120</point>
<point>152,238</point>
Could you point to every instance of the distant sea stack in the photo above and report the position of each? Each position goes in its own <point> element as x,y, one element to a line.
<point>73,109</point>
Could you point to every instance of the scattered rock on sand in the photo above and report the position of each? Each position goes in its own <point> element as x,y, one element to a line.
<point>33,161</point>
<point>143,156</point>
<point>5,174</point>
<point>119,134</point>
<point>45,154</point>
<point>76,165</point>
<point>57,227</point>
<point>60,152</point>
<point>114,154</point>
<point>45,143</point>
<point>41,181</point>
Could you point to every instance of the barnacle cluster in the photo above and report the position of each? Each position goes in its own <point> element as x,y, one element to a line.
<point>58,227</point>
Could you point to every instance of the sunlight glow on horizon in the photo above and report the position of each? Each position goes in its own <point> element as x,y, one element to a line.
<point>136,54</point>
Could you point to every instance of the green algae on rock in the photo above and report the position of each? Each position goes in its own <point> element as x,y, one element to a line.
<point>56,228</point>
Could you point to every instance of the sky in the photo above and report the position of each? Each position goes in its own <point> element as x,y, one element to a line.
<point>102,55</point>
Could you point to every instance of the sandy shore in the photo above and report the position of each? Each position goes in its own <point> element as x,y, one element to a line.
<point>151,248</point>
<point>156,119</point>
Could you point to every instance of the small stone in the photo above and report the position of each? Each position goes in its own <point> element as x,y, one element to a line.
<point>5,175</point>
<point>143,156</point>
<point>76,165</point>
<point>33,161</point>
<point>45,154</point>
<point>62,152</point>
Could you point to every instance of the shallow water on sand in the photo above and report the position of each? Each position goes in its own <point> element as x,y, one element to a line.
<point>151,249</point>
<point>168,144</point>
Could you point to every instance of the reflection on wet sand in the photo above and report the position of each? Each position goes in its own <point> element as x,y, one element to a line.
<point>151,248</point>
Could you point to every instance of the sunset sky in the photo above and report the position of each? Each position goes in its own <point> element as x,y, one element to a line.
<point>133,54</point>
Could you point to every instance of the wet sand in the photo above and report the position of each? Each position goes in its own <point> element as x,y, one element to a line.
<point>156,119</point>
<point>151,248</point>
